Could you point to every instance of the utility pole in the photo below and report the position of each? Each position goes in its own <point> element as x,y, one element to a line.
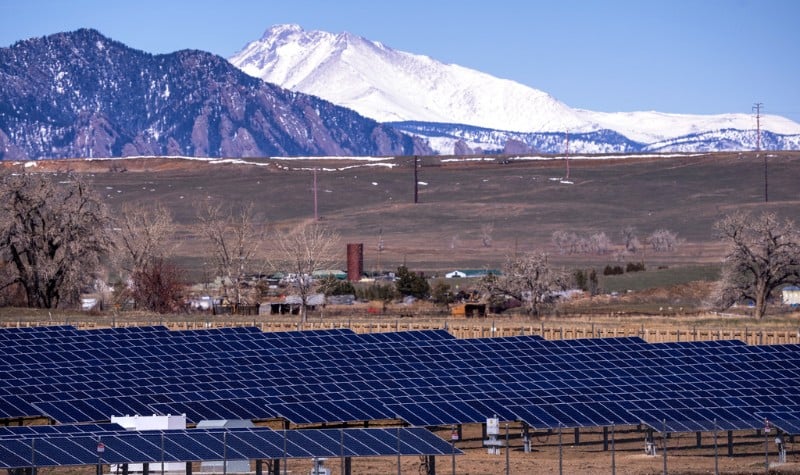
<point>316,215</point>
<point>567,156</point>
<point>757,108</point>
<point>416,181</point>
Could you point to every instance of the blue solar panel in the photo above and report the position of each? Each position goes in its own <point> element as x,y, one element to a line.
<point>222,373</point>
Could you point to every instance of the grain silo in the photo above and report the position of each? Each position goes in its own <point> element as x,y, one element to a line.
<point>355,262</point>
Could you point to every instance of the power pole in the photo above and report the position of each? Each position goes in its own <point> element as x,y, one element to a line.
<point>567,156</point>
<point>316,215</point>
<point>416,181</point>
<point>757,107</point>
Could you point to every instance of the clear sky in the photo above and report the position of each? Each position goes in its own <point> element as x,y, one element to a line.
<point>679,56</point>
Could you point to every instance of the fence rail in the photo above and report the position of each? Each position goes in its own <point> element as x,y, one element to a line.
<point>461,329</point>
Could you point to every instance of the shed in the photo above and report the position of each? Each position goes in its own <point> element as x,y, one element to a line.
<point>290,304</point>
<point>791,295</point>
<point>468,309</point>
<point>231,466</point>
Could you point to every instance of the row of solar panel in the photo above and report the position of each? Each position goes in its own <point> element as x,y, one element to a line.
<point>394,368</point>
<point>590,348</point>
<point>212,361</point>
<point>61,352</point>
<point>119,447</point>
<point>545,377</point>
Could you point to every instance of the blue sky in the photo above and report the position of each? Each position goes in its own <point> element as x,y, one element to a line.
<point>679,56</point>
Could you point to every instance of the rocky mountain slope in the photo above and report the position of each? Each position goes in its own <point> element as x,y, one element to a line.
<point>80,94</point>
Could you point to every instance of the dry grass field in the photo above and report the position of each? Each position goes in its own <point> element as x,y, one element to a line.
<point>364,201</point>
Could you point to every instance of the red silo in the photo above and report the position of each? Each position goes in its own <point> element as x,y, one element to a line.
<point>355,262</point>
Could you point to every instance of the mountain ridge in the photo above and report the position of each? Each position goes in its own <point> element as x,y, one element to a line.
<point>81,94</point>
<point>394,86</point>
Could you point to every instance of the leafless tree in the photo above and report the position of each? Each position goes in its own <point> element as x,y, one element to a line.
<point>565,242</point>
<point>454,241</point>
<point>159,286</point>
<point>663,240</point>
<point>142,234</point>
<point>599,243</point>
<point>763,254</point>
<point>571,243</point>
<point>54,234</point>
<point>302,251</point>
<point>528,278</point>
<point>486,234</point>
<point>235,239</point>
<point>630,239</point>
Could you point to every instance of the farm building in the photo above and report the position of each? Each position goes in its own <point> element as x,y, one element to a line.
<point>470,273</point>
<point>791,295</point>
<point>290,304</point>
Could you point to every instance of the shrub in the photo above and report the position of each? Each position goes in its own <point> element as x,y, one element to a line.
<point>615,270</point>
<point>635,267</point>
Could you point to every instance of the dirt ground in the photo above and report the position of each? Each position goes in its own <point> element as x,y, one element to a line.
<point>587,457</point>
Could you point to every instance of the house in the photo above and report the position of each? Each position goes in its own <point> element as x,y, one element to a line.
<point>791,295</point>
<point>325,273</point>
<point>471,273</point>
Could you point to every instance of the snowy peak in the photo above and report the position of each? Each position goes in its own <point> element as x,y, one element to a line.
<point>394,86</point>
<point>389,85</point>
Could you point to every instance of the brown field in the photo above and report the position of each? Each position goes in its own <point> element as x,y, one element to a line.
<point>586,458</point>
<point>685,194</point>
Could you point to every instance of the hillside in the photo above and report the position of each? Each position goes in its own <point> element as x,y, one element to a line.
<point>368,200</point>
<point>81,94</point>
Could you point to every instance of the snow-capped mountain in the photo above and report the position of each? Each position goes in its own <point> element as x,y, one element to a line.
<point>80,94</point>
<point>394,86</point>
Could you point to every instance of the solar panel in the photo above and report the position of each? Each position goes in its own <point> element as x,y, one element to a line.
<point>198,444</point>
<point>428,377</point>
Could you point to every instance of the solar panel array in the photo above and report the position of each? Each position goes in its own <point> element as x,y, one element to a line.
<point>424,377</point>
<point>44,446</point>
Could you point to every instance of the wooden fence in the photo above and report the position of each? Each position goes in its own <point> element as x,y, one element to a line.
<point>462,329</point>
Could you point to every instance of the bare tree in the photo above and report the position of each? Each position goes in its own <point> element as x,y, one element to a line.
<point>486,234</point>
<point>300,252</point>
<point>763,254</point>
<point>141,235</point>
<point>53,234</point>
<point>663,240</point>
<point>599,243</point>
<point>159,286</point>
<point>630,239</point>
<point>454,241</point>
<point>235,239</point>
<point>528,278</point>
<point>565,242</point>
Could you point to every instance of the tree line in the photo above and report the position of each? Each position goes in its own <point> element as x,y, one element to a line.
<point>57,239</point>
